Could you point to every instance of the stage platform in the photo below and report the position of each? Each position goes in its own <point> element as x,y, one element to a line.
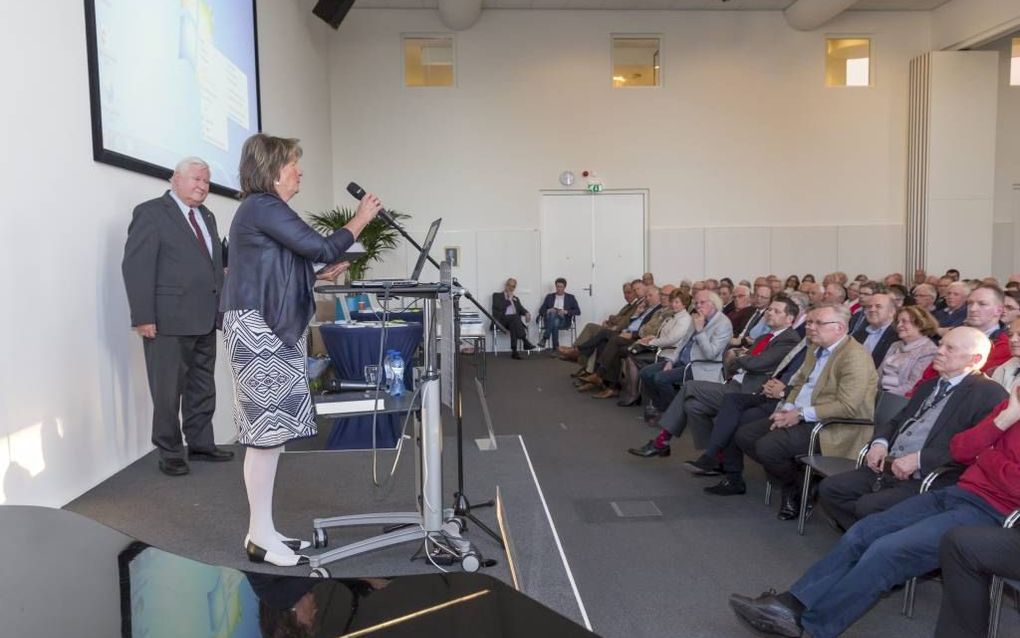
<point>203,515</point>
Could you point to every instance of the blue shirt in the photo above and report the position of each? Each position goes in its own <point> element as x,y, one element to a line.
<point>804,396</point>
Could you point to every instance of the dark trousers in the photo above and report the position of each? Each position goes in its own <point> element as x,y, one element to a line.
<point>591,345</point>
<point>515,326</point>
<point>881,551</point>
<point>697,403</point>
<point>969,556</point>
<point>776,450</point>
<point>611,358</point>
<point>552,326</point>
<point>657,384</point>
<point>849,497</point>
<point>182,384</point>
<point>736,411</point>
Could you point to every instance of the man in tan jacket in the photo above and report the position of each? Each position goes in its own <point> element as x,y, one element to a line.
<point>837,380</point>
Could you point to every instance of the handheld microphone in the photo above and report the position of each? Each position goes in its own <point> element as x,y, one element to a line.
<point>342,385</point>
<point>358,192</point>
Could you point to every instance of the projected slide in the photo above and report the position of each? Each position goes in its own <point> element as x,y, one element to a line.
<point>173,78</point>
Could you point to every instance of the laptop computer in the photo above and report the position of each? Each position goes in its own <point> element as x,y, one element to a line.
<point>418,266</point>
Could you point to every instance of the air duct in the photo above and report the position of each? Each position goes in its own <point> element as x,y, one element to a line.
<point>808,15</point>
<point>460,14</point>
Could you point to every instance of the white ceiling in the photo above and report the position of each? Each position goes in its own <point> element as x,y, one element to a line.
<point>680,5</point>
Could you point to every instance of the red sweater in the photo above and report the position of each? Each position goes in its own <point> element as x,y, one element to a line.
<point>992,458</point>
<point>998,355</point>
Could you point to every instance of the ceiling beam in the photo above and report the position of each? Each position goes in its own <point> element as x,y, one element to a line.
<point>808,15</point>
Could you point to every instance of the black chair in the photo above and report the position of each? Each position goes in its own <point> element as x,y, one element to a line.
<point>887,405</point>
<point>999,583</point>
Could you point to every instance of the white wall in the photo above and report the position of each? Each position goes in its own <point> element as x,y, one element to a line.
<point>967,22</point>
<point>742,134</point>
<point>74,406</point>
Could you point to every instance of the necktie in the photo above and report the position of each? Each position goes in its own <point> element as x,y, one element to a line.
<point>940,392</point>
<point>198,231</point>
<point>762,344</point>
<point>750,323</point>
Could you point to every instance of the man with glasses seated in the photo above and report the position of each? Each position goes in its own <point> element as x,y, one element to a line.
<point>916,441</point>
<point>511,314</point>
<point>837,380</point>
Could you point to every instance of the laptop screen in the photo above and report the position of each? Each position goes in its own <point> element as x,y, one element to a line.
<point>425,248</point>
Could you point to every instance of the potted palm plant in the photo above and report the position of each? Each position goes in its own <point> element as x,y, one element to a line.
<point>377,237</point>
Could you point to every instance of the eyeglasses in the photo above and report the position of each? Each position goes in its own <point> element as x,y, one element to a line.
<point>811,322</point>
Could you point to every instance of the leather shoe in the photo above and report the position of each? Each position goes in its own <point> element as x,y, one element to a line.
<point>608,393</point>
<point>727,487</point>
<point>626,402</point>
<point>649,450</point>
<point>703,466</point>
<point>587,387</point>
<point>768,613</point>
<point>173,467</point>
<point>515,355</point>
<point>215,454</point>
<point>789,510</point>
<point>257,554</point>
<point>528,345</point>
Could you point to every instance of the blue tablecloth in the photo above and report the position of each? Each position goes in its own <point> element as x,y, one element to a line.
<point>410,316</point>
<point>351,348</point>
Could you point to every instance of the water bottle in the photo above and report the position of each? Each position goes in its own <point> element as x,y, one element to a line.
<point>388,369</point>
<point>397,382</point>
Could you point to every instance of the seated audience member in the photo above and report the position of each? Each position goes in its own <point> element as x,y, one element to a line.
<point>1012,285</point>
<point>747,373</point>
<point>853,295</point>
<point>894,279</point>
<point>725,292</point>
<point>1010,306</point>
<point>510,313</point>
<point>838,379</point>
<point>808,278</point>
<point>834,292</point>
<point>867,288</point>
<point>648,279</point>
<point>613,351</point>
<point>984,309</point>
<point>703,352</point>
<point>814,291</point>
<point>900,295</point>
<point>775,284</point>
<point>920,277</point>
<point>953,274</point>
<point>558,309</point>
<point>916,441</point>
<point>907,358</point>
<point>877,333</point>
<point>792,284</point>
<point>861,278</point>
<point>743,310</point>
<point>672,336</point>
<point>887,548</point>
<point>942,286</point>
<point>969,557</point>
<point>755,326</point>
<point>1008,374</point>
<point>642,314</point>
<point>633,296</point>
<point>924,297</point>
<point>954,312</point>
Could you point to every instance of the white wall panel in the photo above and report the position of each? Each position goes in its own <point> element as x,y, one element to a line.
<point>676,254</point>
<point>1002,251</point>
<point>738,253</point>
<point>800,250</point>
<point>875,251</point>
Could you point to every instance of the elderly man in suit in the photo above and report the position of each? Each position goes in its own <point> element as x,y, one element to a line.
<point>837,379</point>
<point>173,273</point>
<point>916,441</point>
<point>702,399</point>
<point>511,314</point>
<point>877,332</point>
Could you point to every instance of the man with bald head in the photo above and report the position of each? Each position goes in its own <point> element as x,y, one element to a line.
<point>916,441</point>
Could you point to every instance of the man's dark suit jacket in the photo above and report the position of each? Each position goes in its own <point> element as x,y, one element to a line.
<point>569,304</point>
<point>760,368</point>
<point>171,280</point>
<point>500,305</point>
<point>965,407</point>
<point>739,318</point>
<point>889,336</point>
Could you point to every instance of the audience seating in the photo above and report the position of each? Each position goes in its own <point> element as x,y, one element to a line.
<point>572,328</point>
<point>999,583</point>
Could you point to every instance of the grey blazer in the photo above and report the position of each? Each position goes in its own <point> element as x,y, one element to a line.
<point>171,280</point>
<point>709,345</point>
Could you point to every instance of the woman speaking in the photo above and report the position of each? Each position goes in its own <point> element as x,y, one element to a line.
<point>267,303</point>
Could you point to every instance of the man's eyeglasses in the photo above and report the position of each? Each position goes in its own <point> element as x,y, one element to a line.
<point>811,322</point>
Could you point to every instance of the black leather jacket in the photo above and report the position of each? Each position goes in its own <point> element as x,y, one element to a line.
<point>271,254</point>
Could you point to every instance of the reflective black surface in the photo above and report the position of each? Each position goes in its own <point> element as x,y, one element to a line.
<point>64,574</point>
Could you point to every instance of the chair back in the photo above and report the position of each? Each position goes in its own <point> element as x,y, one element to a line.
<point>888,405</point>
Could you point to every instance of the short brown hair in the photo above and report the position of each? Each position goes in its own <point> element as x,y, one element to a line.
<point>262,158</point>
<point>921,318</point>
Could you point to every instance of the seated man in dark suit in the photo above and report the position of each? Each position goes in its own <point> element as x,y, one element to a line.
<point>887,548</point>
<point>633,297</point>
<point>916,441</point>
<point>558,309</point>
<point>511,314</point>
<point>702,399</point>
<point>954,311</point>
<point>877,332</point>
<point>838,379</point>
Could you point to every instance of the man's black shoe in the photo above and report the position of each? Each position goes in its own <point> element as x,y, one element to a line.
<point>515,355</point>
<point>173,467</point>
<point>789,510</point>
<point>768,613</point>
<point>528,345</point>
<point>649,450</point>
<point>703,466</point>
<point>727,487</point>
<point>215,454</point>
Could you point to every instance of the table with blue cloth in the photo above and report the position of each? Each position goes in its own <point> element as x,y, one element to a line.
<point>351,348</point>
<point>410,316</point>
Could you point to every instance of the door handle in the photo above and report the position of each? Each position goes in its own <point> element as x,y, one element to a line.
<point>588,288</point>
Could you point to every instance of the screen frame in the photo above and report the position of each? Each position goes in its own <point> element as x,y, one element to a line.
<point>102,154</point>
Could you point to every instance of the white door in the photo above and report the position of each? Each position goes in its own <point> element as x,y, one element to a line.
<point>596,242</point>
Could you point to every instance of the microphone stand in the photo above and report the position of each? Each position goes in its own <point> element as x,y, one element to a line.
<point>461,506</point>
